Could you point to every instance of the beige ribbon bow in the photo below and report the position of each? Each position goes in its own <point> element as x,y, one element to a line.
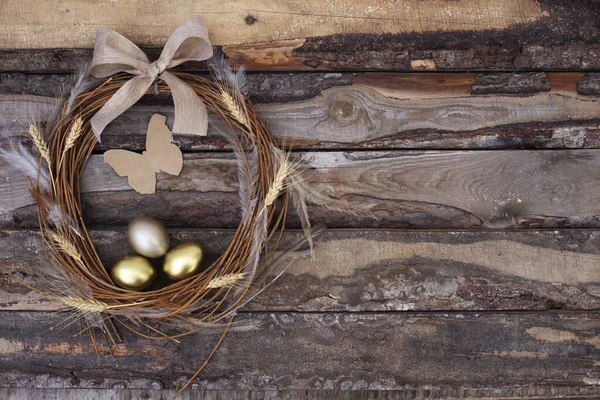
<point>114,53</point>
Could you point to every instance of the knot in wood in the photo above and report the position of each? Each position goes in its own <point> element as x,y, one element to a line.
<point>344,111</point>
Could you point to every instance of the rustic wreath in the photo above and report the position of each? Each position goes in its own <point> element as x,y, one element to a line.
<point>208,300</point>
<point>205,302</point>
<point>265,172</point>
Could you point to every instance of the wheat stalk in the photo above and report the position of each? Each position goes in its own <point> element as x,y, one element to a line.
<point>74,133</point>
<point>66,246</point>
<point>87,305</point>
<point>234,107</point>
<point>225,281</point>
<point>285,170</point>
<point>40,143</point>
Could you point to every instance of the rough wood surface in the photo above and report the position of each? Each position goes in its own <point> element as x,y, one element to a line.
<point>75,24</point>
<point>288,35</point>
<point>443,189</point>
<point>414,111</point>
<point>489,352</point>
<point>154,393</point>
<point>375,270</point>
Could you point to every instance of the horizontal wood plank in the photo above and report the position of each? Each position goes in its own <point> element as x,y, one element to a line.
<point>448,189</point>
<point>499,353</point>
<point>288,35</point>
<point>375,270</point>
<point>154,393</point>
<point>227,22</point>
<point>329,111</point>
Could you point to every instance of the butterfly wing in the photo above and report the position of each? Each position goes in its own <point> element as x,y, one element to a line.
<point>136,167</point>
<point>164,155</point>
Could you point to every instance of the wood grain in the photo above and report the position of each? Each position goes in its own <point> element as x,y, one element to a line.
<point>375,270</point>
<point>357,35</point>
<point>413,111</point>
<point>155,393</point>
<point>74,24</point>
<point>444,189</point>
<point>490,353</point>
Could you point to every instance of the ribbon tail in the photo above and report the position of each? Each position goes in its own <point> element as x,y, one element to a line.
<point>123,98</point>
<point>190,112</point>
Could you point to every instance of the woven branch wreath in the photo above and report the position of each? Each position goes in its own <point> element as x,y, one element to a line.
<point>208,301</point>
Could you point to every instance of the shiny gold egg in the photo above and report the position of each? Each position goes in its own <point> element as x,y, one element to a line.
<point>183,260</point>
<point>133,272</point>
<point>148,237</point>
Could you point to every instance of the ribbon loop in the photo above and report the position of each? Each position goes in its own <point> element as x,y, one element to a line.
<point>114,53</point>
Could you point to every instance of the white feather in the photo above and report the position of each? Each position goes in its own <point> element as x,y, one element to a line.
<point>82,81</point>
<point>22,159</point>
<point>55,216</point>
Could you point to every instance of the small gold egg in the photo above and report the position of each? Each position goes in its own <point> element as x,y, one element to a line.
<point>148,237</point>
<point>133,272</point>
<point>183,260</point>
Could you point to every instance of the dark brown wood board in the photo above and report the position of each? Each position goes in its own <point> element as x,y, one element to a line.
<point>377,270</point>
<point>498,352</point>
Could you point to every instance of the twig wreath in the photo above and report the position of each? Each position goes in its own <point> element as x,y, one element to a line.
<point>207,301</point>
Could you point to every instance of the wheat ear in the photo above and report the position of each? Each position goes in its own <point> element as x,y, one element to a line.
<point>234,107</point>
<point>74,133</point>
<point>225,281</point>
<point>283,172</point>
<point>87,305</point>
<point>40,143</point>
<point>66,246</point>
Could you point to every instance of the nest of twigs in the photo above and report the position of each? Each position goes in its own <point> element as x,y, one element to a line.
<point>208,301</point>
<point>203,302</point>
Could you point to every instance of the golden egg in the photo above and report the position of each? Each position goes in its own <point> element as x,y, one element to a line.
<point>148,237</point>
<point>183,260</point>
<point>133,272</point>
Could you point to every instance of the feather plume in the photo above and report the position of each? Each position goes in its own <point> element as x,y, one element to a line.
<point>299,203</point>
<point>21,159</point>
<point>233,88</point>
<point>247,166</point>
<point>55,216</point>
<point>247,179</point>
<point>54,212</point>
<point>223,72</point>
<point>82,80</point>
<point>196,325</point>
<point>313,196</point>
<point>259,237</point>
<point>43,199</point>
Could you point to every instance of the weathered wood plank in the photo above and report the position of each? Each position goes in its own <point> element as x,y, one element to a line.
<point>262,87</point>
<point>489,352</point>
<point>287,35</point>
<point>228,25</point>
<point>447,189</point>
<point>199,394</point>
<point>416,111</point>
<point>363,270</point>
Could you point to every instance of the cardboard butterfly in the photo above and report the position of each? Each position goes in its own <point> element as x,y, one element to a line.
<point>160,155</point>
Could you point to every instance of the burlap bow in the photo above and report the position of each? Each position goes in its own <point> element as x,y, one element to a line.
<point>114,53</point>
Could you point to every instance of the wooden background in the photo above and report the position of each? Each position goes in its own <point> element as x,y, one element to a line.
<point>472,127</point>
